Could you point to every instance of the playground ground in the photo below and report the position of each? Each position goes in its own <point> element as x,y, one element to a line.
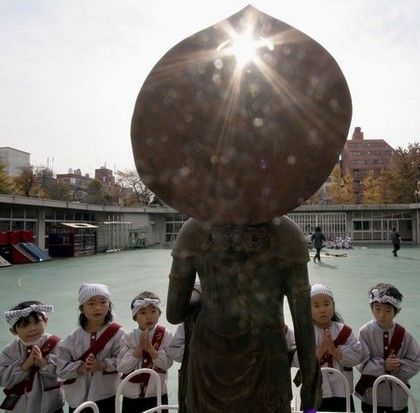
<point>129,272</point>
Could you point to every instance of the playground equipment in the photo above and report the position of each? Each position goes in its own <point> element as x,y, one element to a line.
<point>72,239</point>
<point>138,237</point>
<point>18,247</point>
<point>113,236</point>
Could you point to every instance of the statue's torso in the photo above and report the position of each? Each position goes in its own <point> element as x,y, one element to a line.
<point>238,346</point>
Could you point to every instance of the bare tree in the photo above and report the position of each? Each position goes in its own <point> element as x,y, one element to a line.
<point>26,182</point>
<point>130,179</point>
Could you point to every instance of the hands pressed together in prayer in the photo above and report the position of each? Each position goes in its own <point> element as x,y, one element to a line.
<point>92,364</point>
<point>145,344</point>
<point>34,359</point>
<point>392,363</point>
<point>327,347</point>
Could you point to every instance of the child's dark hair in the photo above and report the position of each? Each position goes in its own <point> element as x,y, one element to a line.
<point>141,296</point>
<point>83,321</point>
<point>386,289</point>
<point>336,316</point>
<point>33,316</point>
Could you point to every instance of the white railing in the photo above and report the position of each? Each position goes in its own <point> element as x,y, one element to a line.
<point>296,400</point>
<point>85,405</point>
<point>346,385</point>
<point>161,407</point>
<point>155,377</point>
<point>385,377</point>
<point>158,409</point>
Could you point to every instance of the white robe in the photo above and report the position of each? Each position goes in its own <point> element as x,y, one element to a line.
<point>39,399</point>
<point>127,362</point>
<point>89,386</point>
<point>373,363</point>
<point>332,384</point>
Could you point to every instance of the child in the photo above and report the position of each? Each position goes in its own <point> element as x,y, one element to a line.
<point>336,346</point>
<point>28,364</point>
<point>144,347</point>
<point>87,358</point>
<point>388,348</point>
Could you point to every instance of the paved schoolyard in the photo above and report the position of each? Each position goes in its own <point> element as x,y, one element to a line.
<point>130,272</point>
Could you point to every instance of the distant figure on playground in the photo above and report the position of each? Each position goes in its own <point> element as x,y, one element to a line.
<point>396,241</point>
<point>317,240</point>
<point>336,347</point>
<point>28,363</point>
<point>388,348</point>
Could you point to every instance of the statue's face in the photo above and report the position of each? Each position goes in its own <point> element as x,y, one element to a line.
<point>242,121</point>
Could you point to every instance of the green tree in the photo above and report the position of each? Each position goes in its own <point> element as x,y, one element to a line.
<point>315,199</point>
<point>112,194</point>
<point>373,188</point>
<point>403,174</point>
<point>342,187</point>
<point>6,185</point>
<point>95,193</point>
<point>59,191</point>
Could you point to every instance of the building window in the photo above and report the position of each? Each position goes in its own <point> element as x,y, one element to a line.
<point>31,213</point>
<point>18,225</point>
<point>361,225</point>
<point>18,212</point>
<point>333,224</point>
<point>5,212</point>
<point>173,224</point>
<point>4,225</point>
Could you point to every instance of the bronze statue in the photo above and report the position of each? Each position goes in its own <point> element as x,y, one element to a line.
<point>236,141</point>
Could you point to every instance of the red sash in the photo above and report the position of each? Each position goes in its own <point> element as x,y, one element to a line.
<point>146,362</point>
<point>25,386</point>
<point>341,338</point>
<point>98,345</point>
<point>101,342</point>
<point>396,341</point>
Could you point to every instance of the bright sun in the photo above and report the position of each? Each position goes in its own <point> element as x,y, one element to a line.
<point>244,48</point>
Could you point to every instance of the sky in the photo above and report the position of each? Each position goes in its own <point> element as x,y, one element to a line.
<point>70,70</point>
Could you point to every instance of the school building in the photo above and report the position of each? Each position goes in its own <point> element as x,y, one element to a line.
<point>363,223</point>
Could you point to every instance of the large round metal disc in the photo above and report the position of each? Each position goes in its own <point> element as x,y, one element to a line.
<point>226,140</point>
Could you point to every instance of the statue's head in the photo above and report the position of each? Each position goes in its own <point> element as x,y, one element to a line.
<point>242,121</point>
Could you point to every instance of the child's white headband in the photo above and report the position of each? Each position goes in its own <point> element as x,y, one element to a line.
<point>13,316</point>
<point>143,303</point>
<point>89,290</point>
<point>377,297</point>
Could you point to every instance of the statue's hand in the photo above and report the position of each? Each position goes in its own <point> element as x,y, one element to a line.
<point>311,393</point>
